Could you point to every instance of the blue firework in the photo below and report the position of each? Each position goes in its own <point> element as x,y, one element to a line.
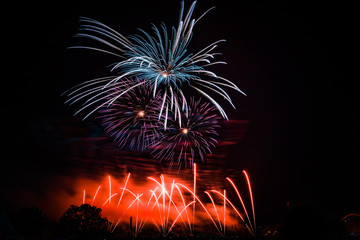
<point>159,60</point>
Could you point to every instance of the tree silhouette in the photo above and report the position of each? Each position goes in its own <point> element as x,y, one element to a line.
<point>84,222</point>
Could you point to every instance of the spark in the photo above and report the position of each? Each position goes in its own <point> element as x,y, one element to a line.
<point>141,113</point>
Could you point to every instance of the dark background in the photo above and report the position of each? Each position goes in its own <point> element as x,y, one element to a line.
<point>293,59</point>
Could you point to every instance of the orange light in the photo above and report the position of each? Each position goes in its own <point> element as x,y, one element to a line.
<point>141,113</point>
<point>185,131</point>
<point>165,74</point>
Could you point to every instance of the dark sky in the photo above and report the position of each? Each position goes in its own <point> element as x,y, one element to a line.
<point>293,59</point>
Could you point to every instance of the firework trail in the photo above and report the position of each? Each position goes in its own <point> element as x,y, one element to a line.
<point>250,225</point>
<point>159,60</point>
<point>169,203</point>
<point>190,140</point>
<point>131,121</point>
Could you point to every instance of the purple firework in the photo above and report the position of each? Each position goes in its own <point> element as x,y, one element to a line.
<point>191,138</point>
<point>131,120</point>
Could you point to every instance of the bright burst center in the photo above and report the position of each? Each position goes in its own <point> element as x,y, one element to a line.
<point>141,113</point>
<point>164,74</point>
<point>185,130</point>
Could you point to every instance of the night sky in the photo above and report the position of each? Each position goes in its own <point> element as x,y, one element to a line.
<point>293,60</point>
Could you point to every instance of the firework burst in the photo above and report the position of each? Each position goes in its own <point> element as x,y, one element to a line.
<point>160,60</point>
<point>191,138</point>
<point>131,120</point>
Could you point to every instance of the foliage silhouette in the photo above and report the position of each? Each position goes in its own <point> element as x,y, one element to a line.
<point>84,222</point>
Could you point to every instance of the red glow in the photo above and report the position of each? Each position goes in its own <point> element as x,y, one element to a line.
<point>164,203</point>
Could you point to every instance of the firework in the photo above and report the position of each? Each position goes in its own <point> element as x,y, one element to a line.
<point>131,120</point>
<point>250,225</point>
<point>159,60</point>
<point>167,201</point>
<point>190,138</point>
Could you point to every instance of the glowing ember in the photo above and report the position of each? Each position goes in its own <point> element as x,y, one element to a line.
<point>185,131</point>
<point>141,113</point>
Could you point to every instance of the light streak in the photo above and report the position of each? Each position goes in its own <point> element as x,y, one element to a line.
<point>215,208</point>
<point>196,198</point>
<point>84,197</point>
<point>224,211</point>
<point>251,197</point>
<point>109,199</point>
<point>165,207</point>
<point>235,209</point>
<point>122,193</point>
<point>180,215</point>
<point>194,168</point>
<point>97,190</point>
<point>183,200</point>
<point>241,200</point>
<point>137,198</point>
<point>109,190</point>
